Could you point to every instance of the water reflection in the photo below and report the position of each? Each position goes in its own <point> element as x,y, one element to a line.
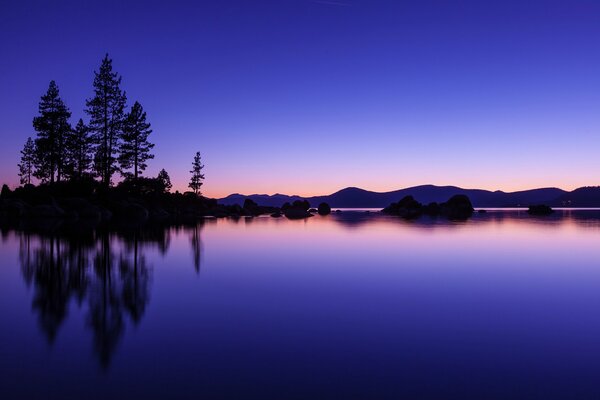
<point>103,271</point>
<point>107,273</point>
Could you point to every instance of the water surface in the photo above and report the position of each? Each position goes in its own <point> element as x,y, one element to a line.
<point>352,305</point>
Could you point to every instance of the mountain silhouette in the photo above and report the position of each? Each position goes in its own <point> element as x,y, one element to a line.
<point>353,197</point>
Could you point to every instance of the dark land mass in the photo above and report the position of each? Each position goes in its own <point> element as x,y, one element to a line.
<point>353,197</point>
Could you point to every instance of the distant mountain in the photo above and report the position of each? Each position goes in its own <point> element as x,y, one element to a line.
<point>353,197</point>
<point>588,196</point>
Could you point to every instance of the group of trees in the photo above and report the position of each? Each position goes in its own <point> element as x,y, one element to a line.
<point>113,140</point>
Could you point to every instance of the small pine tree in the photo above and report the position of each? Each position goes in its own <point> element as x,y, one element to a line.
<point>52,126</point>
<point>79,149</point>
<point>135,147</point>
<point>197,175</point>
<point>106,111</point>
<point>163,177</point>
<point>27,164</point>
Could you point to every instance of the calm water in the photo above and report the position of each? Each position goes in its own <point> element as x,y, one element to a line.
<point>347,306</point>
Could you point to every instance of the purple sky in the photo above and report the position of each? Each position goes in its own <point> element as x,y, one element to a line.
<point>307,97</point>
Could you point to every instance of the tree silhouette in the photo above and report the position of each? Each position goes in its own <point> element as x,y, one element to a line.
<point>106,111</point>
<point>197,175</point>
<point>27,163</point>
<point>135,147</point>
<point>79,149</point>
<point>52,126</point>
<point>163,177</point>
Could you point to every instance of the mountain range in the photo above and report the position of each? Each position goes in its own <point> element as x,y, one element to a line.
<point>353,197</point>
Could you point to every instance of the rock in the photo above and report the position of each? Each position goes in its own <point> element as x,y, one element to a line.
<point>249,203</point>
<point>301,204</point>
<point>540,209</point>
<point>46,211</point>
<point>432,209</point>
<point>481,211</point>
<point>457,207</point>
<point>324,209</point>
<point>90,212</point>
<point>5,192</point>
<point>13,209</point>
<point>135,212</point>
<point>276,214</point>
<point>158,213</point>
<point>105,214</point>
<point>297,213</point>
<point>312,210</point>
<point>407,208</point>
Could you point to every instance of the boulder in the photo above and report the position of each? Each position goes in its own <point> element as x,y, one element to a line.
<point>13,209</point>
<point>324,209</point>
<point>297,213</point>
<point>276,214</point>
<point>432,209</point>
<point>249,203</point>
<point>46,211</point>
<point>135,212</point>
<point>407,208</point>
<point>301,204</point>
<point>457,207</point>
<point>5,192</point>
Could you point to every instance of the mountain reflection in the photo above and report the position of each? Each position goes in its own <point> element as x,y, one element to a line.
<point>104,272</point>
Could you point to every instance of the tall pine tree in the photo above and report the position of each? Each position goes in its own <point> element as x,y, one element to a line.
<point>135,147</point>
<point>106,111</point>
<point>27,163</point>
<point>197,175</point>
<point>52,126</point>
<point>79,150</point>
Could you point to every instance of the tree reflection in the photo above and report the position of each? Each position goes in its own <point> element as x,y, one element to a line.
<point>196,242</point>
<point>105,271</point>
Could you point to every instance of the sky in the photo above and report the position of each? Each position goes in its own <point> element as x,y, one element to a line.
<point>310,96</point>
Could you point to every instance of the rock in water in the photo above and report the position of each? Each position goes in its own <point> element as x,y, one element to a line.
<point>324,209</point>
<point>407,208</point>
<point>296,213</point>
<point>458,207</point>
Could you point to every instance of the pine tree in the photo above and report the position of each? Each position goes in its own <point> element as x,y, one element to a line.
<point>27,163</point>
<point>52,126</point>
<point>163,177</point>
<point>197,175</point>
<point>79,150</point>
<point>135,147</point>
<point>106,111</point>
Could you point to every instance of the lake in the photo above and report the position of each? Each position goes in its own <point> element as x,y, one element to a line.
<point>353,305</point>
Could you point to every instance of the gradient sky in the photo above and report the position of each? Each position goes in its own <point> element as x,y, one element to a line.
<point>307,97</point>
